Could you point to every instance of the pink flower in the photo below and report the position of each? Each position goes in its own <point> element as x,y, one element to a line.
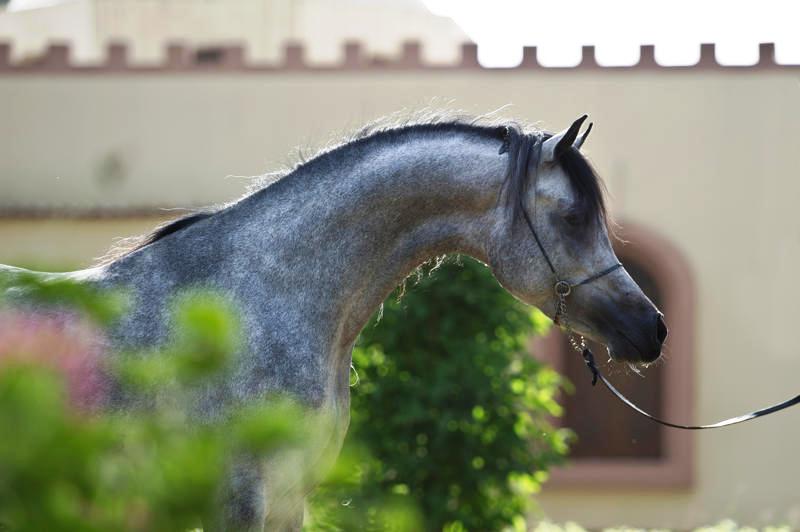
<point>60,341</point>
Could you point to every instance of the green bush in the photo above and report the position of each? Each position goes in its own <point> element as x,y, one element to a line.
<point>452,409</point>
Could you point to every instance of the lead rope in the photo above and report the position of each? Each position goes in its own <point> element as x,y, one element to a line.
<point>563,289</point>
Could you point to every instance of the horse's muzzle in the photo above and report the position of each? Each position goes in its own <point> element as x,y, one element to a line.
<point>639,341</point>
<point>646,341</point>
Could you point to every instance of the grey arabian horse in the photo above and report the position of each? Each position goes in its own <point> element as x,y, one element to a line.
<point>310,257</point>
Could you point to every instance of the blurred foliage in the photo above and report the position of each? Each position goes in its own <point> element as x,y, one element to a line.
<point>452,409</point>
<point>64,468</point>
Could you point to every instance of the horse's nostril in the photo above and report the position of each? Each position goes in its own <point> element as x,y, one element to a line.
<point>661,329</point>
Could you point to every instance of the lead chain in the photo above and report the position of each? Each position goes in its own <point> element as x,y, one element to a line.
<point>577,341</point>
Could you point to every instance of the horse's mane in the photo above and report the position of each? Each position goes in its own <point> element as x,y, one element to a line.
<point>517,138</point>
<point>173,226</point>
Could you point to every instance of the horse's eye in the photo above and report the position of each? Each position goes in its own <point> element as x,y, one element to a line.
<point>572,219</point>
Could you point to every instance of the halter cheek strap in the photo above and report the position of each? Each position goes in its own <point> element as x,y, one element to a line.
<point>564,288</point>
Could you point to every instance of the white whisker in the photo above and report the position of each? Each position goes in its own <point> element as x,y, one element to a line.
<point>635,370</point>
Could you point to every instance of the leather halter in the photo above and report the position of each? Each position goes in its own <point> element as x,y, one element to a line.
<point>563,288</point>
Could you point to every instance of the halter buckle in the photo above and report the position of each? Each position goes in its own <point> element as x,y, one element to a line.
<point>563,288</point>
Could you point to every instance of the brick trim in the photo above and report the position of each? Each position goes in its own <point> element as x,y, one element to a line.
<point>181,59</point>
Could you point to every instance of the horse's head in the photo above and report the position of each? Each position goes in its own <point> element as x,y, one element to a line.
<point>554,187</point>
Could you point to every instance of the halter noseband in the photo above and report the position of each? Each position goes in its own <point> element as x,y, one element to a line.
<point>563,288</point>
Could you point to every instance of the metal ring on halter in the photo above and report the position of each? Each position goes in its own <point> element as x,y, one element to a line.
<point>563,288</point>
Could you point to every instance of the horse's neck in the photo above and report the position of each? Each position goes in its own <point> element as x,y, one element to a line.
<point>358,225</point>
<point>318,251</point>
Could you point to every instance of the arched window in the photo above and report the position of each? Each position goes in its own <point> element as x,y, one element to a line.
<point>615,445</point>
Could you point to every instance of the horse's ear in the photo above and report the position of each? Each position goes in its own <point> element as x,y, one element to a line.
<point>580,141</point>
<point>558,144</point>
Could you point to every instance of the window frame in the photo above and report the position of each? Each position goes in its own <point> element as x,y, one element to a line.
<point>675,470</point>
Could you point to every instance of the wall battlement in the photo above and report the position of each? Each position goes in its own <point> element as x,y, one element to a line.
<point>179,58</point>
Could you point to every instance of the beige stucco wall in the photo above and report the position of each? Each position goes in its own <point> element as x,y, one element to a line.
<point>707,158</point>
